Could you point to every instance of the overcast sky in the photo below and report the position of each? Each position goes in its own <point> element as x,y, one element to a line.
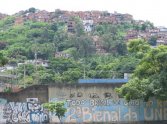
<point>152,10</point>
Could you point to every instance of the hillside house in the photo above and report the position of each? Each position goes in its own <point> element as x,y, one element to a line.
<point>119,17</point>
<point>162,39</point>
<point>61,54</point>
<point>162,29</point>
<point>127,18</point>
<point>39,62</point>
<point>131,34</point>
<point>2,16</point>
<point>19,20</point>
<point>144,35</point>
<point>88,25</point>
<point>153,32</point>
<point>162,42</point>
<point>71,26</point>
<point>42,16</point>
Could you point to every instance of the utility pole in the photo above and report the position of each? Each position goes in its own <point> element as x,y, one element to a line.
<point>35,55</point>
<point>35,60</point>
<point>24,75</point>
<point>84,69</point>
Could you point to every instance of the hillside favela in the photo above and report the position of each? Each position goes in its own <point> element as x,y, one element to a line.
<point>81,67</point>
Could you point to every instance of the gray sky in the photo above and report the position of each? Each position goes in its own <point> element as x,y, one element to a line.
<point>152,10</point>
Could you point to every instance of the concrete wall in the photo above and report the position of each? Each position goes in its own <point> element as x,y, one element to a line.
<point>24,106</point>
<point>37,91</point>
<point>22,112</point>
<point>82,91</point>
<point>99,103</point>
<point>85,103</point>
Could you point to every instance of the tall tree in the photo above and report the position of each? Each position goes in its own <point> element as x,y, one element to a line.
<point>114,44</point>
<point>150,77</point>
<point>3,60</point>
<point>2,45</point>
<point>138,47</point>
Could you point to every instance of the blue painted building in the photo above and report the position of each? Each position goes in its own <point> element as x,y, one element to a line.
<point>102,81</point>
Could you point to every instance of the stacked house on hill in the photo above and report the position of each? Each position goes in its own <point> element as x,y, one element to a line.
<point>2,16</point>
<point>162,36</point>
<point>90,19</point>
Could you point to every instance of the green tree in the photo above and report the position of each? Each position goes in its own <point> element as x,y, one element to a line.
<point>85,46</point>
<point>59,65</point>
<point>72,75</point>
<point>27,69</point>
<point>7,22</point>
<point>16,51</point>
<point>46,76</point>
<point>59,40</point>
<point>153,41</point>
<point>146,25</point>
<point>2,45</point>
<point>126,64</point>
<point>149,78</point>
<point>56,107</point>
<point>79,29</point>
<point>114,44</point>
<point>26,81</point>
<point>58,13</point>
<point>44,51</point>
<point>3,60</point>
<point>32,10</point>
<point>138,47</point>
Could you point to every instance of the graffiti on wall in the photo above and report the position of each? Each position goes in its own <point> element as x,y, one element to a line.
<point>2,104</point>
<point>17,112</point>
<point>107,110</point>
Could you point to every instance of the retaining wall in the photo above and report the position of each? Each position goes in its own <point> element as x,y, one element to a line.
<point>86,103</point>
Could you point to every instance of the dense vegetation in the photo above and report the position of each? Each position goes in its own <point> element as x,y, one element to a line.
<point>40,40</point>
<point>21,42</point>
<point>3,60</point>
<point>149,78</point>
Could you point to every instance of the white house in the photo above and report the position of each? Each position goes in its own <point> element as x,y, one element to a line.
<point>88,25</point>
